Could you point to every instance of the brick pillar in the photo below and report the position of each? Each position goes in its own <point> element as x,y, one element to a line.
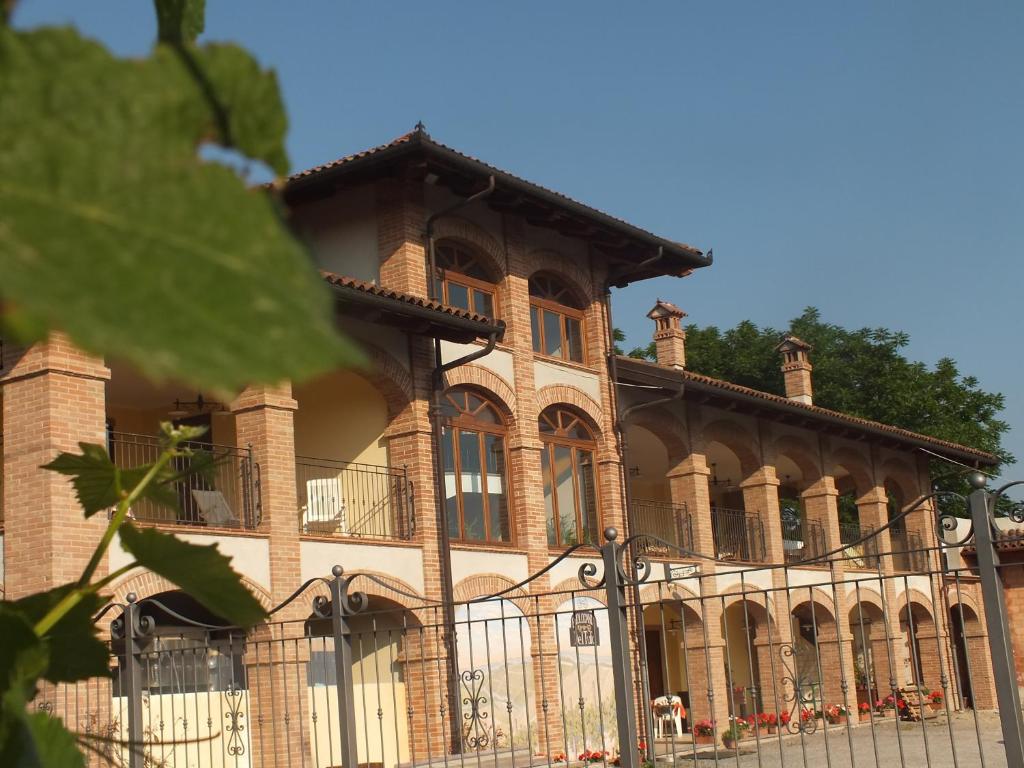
<point>835,653</point>
<point>873,511</point>
<point>424,662</point>
<point>886,666</point>
<point>53,398</point>
<point>401,219</point>
<point>699,658</point>
<point>820,504</point>
<point>280,715</point>
<point>761,497</point>
<point>688,483</point>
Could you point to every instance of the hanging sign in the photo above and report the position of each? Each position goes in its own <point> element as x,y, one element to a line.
<point>677,572</point>
<point>583,629</point>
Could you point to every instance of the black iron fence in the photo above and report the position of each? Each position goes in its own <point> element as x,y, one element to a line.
<point>665,520</point>
<point>907,550</point>
<point>754,665</point>
<point>860,544</point>
<point>738,535</point>
<point>346,499</point>
<point>227,498</point>
<point>802,540</point>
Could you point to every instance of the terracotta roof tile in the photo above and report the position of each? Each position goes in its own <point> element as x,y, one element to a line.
<point>815,410</point>
<point>407,298</point>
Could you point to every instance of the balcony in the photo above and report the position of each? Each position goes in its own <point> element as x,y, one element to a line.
<point>907,550</point>
<point>667,520</point>
<point>347,500</point>
<point>864,554</point>
<point>802,540</point>
<point>229,498</point>
<point>738,535</point>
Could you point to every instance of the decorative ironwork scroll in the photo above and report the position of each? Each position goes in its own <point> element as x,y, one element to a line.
<point>233,717</point>
<point>475,728</point>
<point>795,659</point>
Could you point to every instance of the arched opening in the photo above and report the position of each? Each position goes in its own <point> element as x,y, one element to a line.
<point>963,625</point>
<point>905,543</point>
<point>344,483</point>
<point>815,655</point>
<point>135,409</point>
<point>570,477</point>
<point>475,467</point>
<point>858,553</point>
<point>738,532</point>
<point>802,538</point>
<point>870,673</point>
<point>742,623</point>
<point>676,664</point>
<point>654,512</point>
<point>917,624</point>
<point>384,641</point>
<point>585,684</point>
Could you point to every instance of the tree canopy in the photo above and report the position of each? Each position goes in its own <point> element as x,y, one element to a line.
<point>862,372</point>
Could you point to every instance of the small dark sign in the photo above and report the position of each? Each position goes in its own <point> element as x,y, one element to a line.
<point>583,629</point>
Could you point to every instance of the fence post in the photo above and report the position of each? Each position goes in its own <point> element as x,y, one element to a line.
<point>343,669</point>
<point>618,627</point>
<point>133,682</point>
<point>1000,644</point>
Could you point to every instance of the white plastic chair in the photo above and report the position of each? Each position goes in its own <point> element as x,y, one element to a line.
<point>325,509</point>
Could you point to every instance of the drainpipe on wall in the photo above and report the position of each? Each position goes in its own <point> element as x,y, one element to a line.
<point>444,540</point>
<point>627,495</point>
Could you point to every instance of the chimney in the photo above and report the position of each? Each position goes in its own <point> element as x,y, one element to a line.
<point>669,337</point>
<point>796,368</point>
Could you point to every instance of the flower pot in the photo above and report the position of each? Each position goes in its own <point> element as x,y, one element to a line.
<point>729,743</point>
<point>935,706</point>
<point>700,738</point>
<point>840,720</point>
<point>865,717</point>
<point>772,730</point>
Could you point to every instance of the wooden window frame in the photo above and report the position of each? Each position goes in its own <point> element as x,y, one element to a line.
<point>445,275</point>
<point>563,312</point>
<point>575,445</point>
<point>465,422</point>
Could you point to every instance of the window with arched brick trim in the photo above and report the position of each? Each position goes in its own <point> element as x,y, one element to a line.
<point>462,280</point>
<point>570,478</point>
<point>475,468</point>
<point>556,319</point>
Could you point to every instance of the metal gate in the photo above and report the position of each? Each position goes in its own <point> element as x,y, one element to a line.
<point>869,655</point>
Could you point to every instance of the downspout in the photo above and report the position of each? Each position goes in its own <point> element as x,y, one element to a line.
<point>627,494</point>
<point>431,260</point>
<point>444,540</point>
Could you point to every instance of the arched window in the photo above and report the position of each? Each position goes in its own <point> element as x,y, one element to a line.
<point>475,469</point>
<point>570,487</point>
<point>462,280</point>
<point>556,319</point>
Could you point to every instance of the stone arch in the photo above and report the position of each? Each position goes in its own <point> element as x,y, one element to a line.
<point>819,599</point>
<point>911,597</point>
<point>479,240</point>
<point>390,378</point>
<point>896,472</point>
<point>757,614</point>
<point>486,584</point>
<point>968,602</point>
<point>572,587</point>
<point>664,426</point>
<point>857,466</point>
<point>801,454</point>
<point>867,598</point>
<point>566,394</point>
<point>659,593</point>
<point>146,584</point>
<point>546,260</point>
<point>495,386</point>
<point>737,439</point>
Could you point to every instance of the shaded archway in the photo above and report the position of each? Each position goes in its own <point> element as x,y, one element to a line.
<point>677,660</point>
<point>816,653</point>
<point>739,532</point>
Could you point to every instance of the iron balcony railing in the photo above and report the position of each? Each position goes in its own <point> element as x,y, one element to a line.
<point>345,499</point>
<point>908,553</point>
<point>863,554</point>
<point>227,498</point>
<point>739,535</point>
<point>667,520</point>
<point>802,540</point>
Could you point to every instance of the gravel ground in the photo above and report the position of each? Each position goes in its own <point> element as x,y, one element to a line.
<point>952,744</point>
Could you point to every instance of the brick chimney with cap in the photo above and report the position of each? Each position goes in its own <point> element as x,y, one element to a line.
<point>796,368</point>
<point>669,336</point>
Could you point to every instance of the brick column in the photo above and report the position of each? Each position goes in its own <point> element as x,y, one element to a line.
<point>401,219</point>
<point>688,483</point>
<point>820,504</point>
<point>873,511</point>
<point>53,398</point>
<point>264,419</point>
<point>761,496</point>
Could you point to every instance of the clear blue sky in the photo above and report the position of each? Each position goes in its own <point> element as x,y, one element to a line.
<point>865,158</point>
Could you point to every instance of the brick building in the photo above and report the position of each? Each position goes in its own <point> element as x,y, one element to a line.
<point>447,270</point>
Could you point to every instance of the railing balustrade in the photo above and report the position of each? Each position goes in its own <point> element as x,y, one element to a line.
<point>802,540</point>
<point>864,554</point>
<point>738,534</point>
<point>347,499</point>
<point>906,547</point>
<point>228,498</point>
<point>665,519</point>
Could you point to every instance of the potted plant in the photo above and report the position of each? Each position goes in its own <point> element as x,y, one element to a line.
<point>935,700</point>
<point>836,714</point>
<point>773,722</point>
<point>751,728</point>
<point>784,719</point>
<point>704,732</point>
<point>865,711</point>
<point>886,707</point>
<point>732,734</point>
<point>558,757</point>
<point>807,715</point>
<point>592,756</point>
<point>764,723</point>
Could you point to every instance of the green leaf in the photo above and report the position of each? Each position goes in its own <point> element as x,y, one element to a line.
<point>180,21</point>
<point>201,571</point>
<point>117,233</point>
<point>75,650</point>
<point>94,477</point>
<point>38,740</point>
<point>23,656</point>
